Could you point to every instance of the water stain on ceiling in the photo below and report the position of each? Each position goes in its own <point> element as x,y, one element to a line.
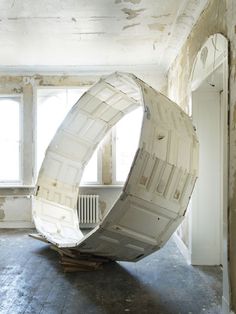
<point>130,26</point>
<point>131,14</point>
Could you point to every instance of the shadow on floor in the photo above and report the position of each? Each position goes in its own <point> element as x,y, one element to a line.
<point>32,281</point>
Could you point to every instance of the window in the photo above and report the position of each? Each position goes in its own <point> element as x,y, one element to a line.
<point>53,104</point>
<point>125,142</point>
<point>10,139</point>
<point>90,175</point>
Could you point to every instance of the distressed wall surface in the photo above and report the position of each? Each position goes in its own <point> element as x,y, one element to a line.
<point>218,17</point>
<point>15,204</point>
<point>124,32</point>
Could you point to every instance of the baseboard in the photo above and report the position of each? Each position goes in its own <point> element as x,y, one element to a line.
<point>205,256</point>
<point>16,224</point>
<point>182,247</point>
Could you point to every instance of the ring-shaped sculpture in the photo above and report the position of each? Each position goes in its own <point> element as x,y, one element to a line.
<point>156,193</point>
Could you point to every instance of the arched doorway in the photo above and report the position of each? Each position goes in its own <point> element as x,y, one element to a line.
<point>208,226</point>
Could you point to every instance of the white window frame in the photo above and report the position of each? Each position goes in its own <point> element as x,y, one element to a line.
<point>20,98</point>
<point>114,181</point>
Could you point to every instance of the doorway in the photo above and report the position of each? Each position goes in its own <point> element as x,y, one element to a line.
<point>208,225</point>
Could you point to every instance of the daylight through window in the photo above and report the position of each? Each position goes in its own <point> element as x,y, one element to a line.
<point>10,139</point>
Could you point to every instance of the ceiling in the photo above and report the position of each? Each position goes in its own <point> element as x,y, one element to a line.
<point>98,33</point>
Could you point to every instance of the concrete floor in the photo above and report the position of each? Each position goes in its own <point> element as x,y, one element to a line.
<point>32,281</point>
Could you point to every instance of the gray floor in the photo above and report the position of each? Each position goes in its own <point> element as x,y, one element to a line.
<point>32,281</point>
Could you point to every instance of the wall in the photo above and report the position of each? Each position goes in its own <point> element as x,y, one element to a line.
<point>107,195</point>
<point>15,201</point>
<point>218,17</point>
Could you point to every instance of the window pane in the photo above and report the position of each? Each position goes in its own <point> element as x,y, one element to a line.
<point>127,138</point>
<point>52,107</point>
<point>10,139</point>
<point>90,174</point>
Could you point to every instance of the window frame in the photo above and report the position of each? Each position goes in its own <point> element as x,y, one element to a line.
<point>100,157</point>
<point>99,153</point>
<point>19,98</point>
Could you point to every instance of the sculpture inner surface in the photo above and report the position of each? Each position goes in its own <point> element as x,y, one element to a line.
<point>156,193</point>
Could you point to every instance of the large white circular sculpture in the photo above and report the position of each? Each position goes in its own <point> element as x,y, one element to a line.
<point>158,188</point>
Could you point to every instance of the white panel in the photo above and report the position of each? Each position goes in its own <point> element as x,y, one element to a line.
<point>137,219</point>
<point>157,190</point>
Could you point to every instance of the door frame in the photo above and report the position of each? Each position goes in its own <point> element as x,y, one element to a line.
<point>198,76</point>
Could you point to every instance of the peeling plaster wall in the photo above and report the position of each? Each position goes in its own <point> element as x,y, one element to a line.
<point>15,202</point>
<point>211,21</point>
<point>15,212</point>
<point>218,17</point>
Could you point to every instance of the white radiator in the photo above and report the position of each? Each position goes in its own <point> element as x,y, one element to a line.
<point>88,210</point>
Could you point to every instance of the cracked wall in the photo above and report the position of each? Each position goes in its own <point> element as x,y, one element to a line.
<point>15,202</point>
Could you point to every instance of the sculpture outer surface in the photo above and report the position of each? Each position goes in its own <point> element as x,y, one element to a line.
<point>158,188</point>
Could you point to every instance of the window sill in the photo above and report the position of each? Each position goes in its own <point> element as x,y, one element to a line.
<point>16,190</point>
<point>16,186</point>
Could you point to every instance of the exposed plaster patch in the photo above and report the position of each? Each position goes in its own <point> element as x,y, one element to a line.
<point>103,206</point>
<point>33,18</point>
<point>133,1</point>
<point>203,56</point>
<point>62,80</point>
<point>28,80</point>
<point>233,198</point>
<point>18,90</point>
<point>160,16</point>
<point>157,27</point>
<point>131,25</point>
<point>2,214</point>
<point>103,17</point>
<point>233,61</point>
<point>131,14</point>
<point>184,17</point>
<point>234,117</point>
<point>89,33</point>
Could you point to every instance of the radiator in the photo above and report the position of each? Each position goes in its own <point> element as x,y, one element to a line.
<point>88,210</point>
